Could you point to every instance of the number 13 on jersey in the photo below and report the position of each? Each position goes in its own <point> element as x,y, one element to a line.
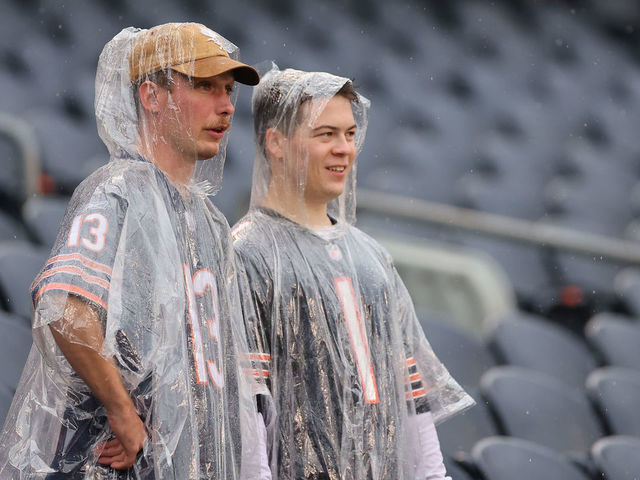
<point>204,281</point>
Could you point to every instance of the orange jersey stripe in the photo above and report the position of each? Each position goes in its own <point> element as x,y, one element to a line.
<point>71,288</point>
<point>260,356</point>
<point>75,271</point>
<point>419,393</point>
<point>411,361</point>
<point>82,259</point>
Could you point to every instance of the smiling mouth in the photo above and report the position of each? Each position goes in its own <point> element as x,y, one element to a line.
<point>337,169</point>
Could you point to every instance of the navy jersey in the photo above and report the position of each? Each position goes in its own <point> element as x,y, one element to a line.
<point>342,354</point>
<point>157,266</point>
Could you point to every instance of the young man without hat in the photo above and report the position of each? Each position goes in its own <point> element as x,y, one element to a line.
<point>356,385</point>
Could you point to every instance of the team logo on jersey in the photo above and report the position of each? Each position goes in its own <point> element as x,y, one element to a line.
<point>334,252</point>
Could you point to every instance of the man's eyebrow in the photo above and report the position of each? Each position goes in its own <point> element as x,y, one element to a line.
<point>332,127</point>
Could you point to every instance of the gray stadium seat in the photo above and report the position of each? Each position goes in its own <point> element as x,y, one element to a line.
<point>69,150</point>
<point>617,457</point>
<point>20,262</point>
<point>455,471</point>
<point>465,356</point>
<point>616,339</point>
<point>503,458</point>
<point>11,229</point>
<point>537,407</point>
<point>534,342</point>
<point>616,393</point>
<point>627,287</point>
<point>12,183</point>
<point>15,343</point>
<point>459,434</point>
<point>43,215</point>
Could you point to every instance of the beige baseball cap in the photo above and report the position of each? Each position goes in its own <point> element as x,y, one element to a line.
<point>188,48</point>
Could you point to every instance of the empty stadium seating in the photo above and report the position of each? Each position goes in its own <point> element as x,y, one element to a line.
<point>537,407</point>
<point>523,109</point>
<point>534,342</point>
<point>617,457</point>
<point>616,392</point>
<point>615,338</point>
<point>502,458</point>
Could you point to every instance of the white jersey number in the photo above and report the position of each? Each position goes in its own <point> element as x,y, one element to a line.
<point>203,281</point>
<point>358,337</point>
<point>99,225</point>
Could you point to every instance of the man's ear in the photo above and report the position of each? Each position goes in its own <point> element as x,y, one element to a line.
<point>274,143</point>
<point>150,96</point>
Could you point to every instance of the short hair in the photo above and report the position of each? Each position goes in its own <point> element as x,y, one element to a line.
<point>269,113</point>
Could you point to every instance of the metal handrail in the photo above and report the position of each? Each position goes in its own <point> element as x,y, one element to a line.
<point>25,137</point>
<point>539,233</point>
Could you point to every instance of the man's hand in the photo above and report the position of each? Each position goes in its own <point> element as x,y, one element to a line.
<point>131,435</point>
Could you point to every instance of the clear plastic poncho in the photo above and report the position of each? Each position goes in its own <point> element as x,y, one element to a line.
<point>142,272</point>
<point>346,360</point>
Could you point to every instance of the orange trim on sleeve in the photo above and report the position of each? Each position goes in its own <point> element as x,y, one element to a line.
<point>73,289</point>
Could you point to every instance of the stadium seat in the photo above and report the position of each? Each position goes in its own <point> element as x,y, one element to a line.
<point>615,338</point>
<point>43,216</point>
<point>12,176</point>
<point>616,393</point>
<point>617,457</point>
<point>20,262</point>
<point>627,287</point>
<point>525,266</point>
<point>10,228</point>
<point>537,407</point>
<point>69,150</point>
<point>534,342</point>
<point>459,434</point>
<point>15,343</point>
<point>465,356</point>
<point>456,471</point>
<point>504,458</point>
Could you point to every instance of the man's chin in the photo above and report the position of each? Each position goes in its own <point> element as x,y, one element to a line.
<point>209,154</point>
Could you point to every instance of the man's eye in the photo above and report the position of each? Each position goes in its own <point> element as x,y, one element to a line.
<point>204,85</point>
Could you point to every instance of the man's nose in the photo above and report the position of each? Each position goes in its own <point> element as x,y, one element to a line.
<point>343,145</point>
<point>224,106</point>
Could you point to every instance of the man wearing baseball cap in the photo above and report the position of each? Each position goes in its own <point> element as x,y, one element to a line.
<point>140,366</point>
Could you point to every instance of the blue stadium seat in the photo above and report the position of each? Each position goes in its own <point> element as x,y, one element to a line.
<point>465,356</point>
<point>11,229</point>
<point>617,457</point>
<point>504,458</point>
<point>43,216</point>
<point>616,339</point>
<point>534,342</point>
<point>627,288</point>
<point>537,407</point>
<point>69,150</point>
<point>459,434</point>
<point>20,262</point>
<point>616,393</point>
<point>15,343</point>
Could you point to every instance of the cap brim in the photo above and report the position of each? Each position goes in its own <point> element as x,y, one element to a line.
<point>211,66</point>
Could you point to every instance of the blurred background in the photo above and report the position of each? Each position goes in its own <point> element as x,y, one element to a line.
<point>501,169</point>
